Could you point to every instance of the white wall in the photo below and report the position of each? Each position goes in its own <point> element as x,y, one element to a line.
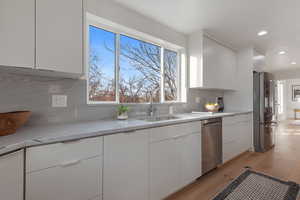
<point>289,104</point>
<point>286,74</point>
<point>118,14</point>
<point>242,98</point>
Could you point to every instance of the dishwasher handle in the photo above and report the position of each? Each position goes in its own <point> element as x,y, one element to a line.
<point>217,121</point>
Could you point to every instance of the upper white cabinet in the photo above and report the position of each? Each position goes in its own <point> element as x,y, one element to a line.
<point>68,171</point>
<point>126,166</point>
<point>17,33</point>
<point>59,34</point>
<point>11,176</point>
<point>219,63</point>
<point>212,65</point>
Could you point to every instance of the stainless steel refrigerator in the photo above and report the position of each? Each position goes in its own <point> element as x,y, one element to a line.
<point>264,111</point>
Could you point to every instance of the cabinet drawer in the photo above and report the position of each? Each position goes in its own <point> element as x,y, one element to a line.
<point>236,119</point>
<point>42,157</point>
<point>174,131</point>
<point>230,120</point>
<point>77,181</point>
<point>245,117</point>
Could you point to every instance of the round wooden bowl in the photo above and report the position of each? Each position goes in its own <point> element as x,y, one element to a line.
<point>11,121</point>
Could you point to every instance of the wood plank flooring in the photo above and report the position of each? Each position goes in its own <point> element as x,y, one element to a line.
<point>283,162</point>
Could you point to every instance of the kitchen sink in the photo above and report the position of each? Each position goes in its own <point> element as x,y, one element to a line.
<point>160,118</point>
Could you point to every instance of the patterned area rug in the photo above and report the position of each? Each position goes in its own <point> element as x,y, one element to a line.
<point>252,185</point>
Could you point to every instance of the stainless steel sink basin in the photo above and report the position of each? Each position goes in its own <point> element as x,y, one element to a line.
<point>160,118</point>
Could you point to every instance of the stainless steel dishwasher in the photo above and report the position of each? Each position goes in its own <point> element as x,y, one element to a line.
<point>211,144</point>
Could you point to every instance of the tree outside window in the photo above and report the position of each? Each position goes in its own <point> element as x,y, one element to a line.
<point>139,69</point>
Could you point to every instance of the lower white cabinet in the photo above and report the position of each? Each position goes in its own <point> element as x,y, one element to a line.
<point>126,166</point>
<point>237,135</point>
<point>70,175</point>
<point>164,169</point>
<point>11,176</point>
<point>190,158</point>
<point>70,181</point>
<point>174,162</point>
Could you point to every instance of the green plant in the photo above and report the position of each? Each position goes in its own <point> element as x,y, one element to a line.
<point>122,109</point>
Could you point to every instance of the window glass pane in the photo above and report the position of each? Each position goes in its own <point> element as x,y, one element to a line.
<point>139,71</point>
<point>170,75</point>
<point>101,65</point>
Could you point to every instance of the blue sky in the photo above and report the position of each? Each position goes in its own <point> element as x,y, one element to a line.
<point>99,37</point>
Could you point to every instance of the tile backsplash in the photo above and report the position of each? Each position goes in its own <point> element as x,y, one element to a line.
<point>34,93</point>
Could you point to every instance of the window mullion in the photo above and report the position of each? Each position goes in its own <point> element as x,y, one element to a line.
<point>117,68</point>
<point>179,76</point>
<point>162,76</point>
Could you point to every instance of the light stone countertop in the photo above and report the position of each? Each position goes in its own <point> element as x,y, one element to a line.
<point>29,136</point>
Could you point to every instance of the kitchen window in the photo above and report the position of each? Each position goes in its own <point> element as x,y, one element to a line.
<point>126,69</point>
<point>102,56</point>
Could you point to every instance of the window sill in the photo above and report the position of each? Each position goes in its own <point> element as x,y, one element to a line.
<point>133,104</point>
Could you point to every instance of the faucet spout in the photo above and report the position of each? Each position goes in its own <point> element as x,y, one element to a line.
<point>152,109</point>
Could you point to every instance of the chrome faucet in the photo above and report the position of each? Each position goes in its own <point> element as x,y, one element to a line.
<point>151,110</point>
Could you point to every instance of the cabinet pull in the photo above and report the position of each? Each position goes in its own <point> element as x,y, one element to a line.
<point>71,141</point>
<point>69,163</point>
<point>176,137</point>
<point>129,132</point>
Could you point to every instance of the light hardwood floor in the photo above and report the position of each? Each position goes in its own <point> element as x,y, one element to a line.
<point>283,162</point>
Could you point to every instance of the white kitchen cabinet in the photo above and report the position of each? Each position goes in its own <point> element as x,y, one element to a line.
<point>51,155</point>
<point>212,65</point>
<point>175,158</point>
<point>219,65</point>
<point>71,180</point>
<point>11,176</point>
<point>17,33</point>
<point>237,135</point>
<point>126,166</point>
<point>190,158</point>
<point>164,169</point>
<point>59,34</point>
<point>69,171</point>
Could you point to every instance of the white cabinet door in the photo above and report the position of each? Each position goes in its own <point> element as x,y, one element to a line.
<point>72,180</point>
<point>11,176</point>
<point>237,136</point>
<point>17,33</point>
<point>126,166</point>
<point>196,73</point>
<point>164,169</point>
<point>190,158</point>
<point>219,65</point>
<point>59,30</point>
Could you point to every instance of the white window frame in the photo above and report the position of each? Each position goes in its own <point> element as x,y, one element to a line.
<point>119,30</point>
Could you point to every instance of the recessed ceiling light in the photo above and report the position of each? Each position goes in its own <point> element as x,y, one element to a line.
<point>293,63</point>
<point>281,52</point>
<point>262,33</point>
<point>259,57</point>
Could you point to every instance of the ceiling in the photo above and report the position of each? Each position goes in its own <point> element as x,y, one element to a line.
<point>234,22</point>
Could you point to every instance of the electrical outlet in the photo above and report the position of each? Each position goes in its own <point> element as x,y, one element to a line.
<point>59,101</point>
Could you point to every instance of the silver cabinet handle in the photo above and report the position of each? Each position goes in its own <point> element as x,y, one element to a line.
<point>129,132</point>
<point>71,141</point>
<point>176,137</point>
<point>70,163</point>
